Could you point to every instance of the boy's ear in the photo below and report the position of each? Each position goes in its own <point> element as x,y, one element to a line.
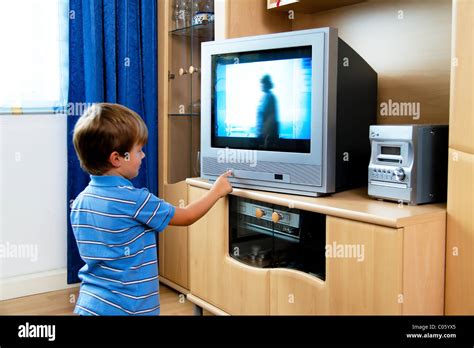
<point>115,159</point>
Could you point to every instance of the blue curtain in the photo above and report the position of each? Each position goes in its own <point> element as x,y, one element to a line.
<point>112,58</point>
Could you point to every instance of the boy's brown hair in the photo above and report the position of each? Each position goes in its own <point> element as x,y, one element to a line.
<point>103,129</point>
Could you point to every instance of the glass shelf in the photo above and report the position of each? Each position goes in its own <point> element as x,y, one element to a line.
<point>198,30</point>
<point>185,114</point>
<point>184,90</point>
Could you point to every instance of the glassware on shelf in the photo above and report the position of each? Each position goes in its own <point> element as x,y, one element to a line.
<point>208,7</point>
<point>196,8</point>
<point>203,12</point>
<point>182,13</point>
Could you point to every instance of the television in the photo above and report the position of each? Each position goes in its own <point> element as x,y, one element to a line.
<point>287,112</point>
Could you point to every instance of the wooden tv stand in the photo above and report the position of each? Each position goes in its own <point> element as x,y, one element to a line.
<point>402,272</point>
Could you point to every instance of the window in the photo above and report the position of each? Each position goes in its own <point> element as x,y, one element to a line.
<point>34,55</point>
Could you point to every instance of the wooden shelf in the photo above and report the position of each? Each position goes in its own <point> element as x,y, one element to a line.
<point>354,205</point>
<point>308,6</point>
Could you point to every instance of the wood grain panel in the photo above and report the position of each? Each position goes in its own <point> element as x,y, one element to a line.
<point>207,250</point>
<point>407,42</point>
<point>423,268</point>
<point>296,293</point>
<point>250,17</point>
<point>174,240</point>
<point>353,204</point>
<point>370,286</point>
<point>247,289</point>
<point>460,235</point>
<point>214,276</point>
<point>365,284</point>
<point>461,132</point>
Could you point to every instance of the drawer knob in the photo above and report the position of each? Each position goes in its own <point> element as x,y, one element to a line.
<point>193,70</point>
<point>276,217</point>
<point>259,213</point>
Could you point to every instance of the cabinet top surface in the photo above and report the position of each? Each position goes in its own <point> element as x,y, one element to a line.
<point>353,204</point>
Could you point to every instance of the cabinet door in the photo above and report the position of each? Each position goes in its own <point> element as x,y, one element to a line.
<point>368,283</point>
<point>363,274</point>
<point>460,235</point>
<point>461,117</point>
<point>297,293</point>
<point>184,72</point>
<point>174,240</point>
<point>246,289</point>
<point>214,276</point>
<point>207,251</point>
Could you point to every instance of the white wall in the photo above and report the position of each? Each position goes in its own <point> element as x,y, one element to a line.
<point>33,179</point>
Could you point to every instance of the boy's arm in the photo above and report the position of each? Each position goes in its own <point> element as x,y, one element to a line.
<point>196,210</point>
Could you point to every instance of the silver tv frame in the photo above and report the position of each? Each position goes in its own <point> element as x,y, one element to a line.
<point>311,173</point>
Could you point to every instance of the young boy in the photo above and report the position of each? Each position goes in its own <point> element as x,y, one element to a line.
<point>114,223</point>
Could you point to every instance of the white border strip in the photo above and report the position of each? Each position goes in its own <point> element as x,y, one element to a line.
<point>33,284</point>
<point>220,25</point>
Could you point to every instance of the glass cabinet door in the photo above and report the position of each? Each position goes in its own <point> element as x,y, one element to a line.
<point>192,22</point>
<point>266,235</point>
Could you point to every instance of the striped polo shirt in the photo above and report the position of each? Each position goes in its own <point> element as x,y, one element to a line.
<point>114,224</point>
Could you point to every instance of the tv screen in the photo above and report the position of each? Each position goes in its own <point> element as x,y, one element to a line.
<point>261,100</point>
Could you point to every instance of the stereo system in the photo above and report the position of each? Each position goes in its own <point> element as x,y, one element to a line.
<point>409,163</point>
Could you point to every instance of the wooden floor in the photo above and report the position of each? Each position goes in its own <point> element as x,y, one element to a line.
<point>62,303</point>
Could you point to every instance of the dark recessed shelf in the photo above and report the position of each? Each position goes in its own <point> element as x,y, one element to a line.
<point>199,30</point>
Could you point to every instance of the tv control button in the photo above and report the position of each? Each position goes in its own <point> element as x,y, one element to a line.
<point>259,213</point>
<point>276,217</point>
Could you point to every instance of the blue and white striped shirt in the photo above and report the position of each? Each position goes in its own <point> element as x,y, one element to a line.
<point>114,225</point>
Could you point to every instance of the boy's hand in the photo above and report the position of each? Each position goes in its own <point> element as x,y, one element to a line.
<point>196,210</point>
<point>222,186</point>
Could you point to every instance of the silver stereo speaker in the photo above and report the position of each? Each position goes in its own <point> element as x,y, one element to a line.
<point>409,163</point>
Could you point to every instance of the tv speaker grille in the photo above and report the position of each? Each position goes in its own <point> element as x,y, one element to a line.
<point>300,174</point>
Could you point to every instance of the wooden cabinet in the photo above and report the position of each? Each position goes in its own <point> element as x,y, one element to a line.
<point>395,264</point>
<point>179,122</point>
<point>173,246</point>
<point>308,6</point>
<point>207,240</point>
<point>401,272</point>
<point>371,284</point>
<point>217,278</point>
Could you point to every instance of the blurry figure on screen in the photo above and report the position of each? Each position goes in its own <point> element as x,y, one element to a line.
<point>267,114</point>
